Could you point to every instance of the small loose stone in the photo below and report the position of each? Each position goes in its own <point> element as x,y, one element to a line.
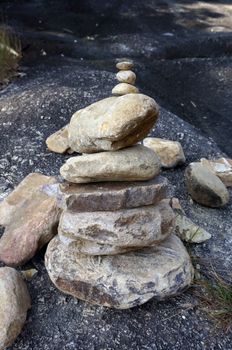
<point>124,65</point>
<point>170,152</point>
<point>126,76</point>
<point>124,89</point>
<point>204,187</point>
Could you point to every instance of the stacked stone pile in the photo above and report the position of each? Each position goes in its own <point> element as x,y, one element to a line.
<point>115,245</point>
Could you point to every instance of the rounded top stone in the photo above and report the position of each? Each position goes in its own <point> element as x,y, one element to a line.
<point>124,65</point>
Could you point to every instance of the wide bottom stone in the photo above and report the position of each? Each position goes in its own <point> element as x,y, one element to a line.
<point>121,281</point>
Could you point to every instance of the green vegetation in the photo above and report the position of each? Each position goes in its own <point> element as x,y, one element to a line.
<point>215,296</point>
<point>10,54</point>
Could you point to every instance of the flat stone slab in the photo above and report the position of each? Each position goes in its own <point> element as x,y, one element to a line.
<point>30,218</point>
<point>29,186</point>
<point>121,281</point>
<point>136,163</point>
<point>108,196</point>
<point>136,227</point>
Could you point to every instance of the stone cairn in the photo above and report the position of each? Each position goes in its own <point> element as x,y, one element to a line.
<point>115,245</point>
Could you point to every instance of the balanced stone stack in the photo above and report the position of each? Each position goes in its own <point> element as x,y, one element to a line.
<point>115,245</point>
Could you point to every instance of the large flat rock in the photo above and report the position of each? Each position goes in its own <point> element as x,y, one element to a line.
<point>108,196</point>
<point>136,163</point>
<point>136,227</point>
<point>121,281</point>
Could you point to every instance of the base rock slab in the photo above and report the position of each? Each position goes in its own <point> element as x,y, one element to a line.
<point>121,281</point>
<point>108,196</point>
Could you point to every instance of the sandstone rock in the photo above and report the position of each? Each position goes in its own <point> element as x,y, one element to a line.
<point>205,187</point>
<point>15,301</point>
<point>170,152</point>
<point>86,247</point>
<point>112,123</point>
<point>126,76</point>
<point>30,186</point>
<point>124,65</point>
<point>221,167</point>
<point>31,221</point>
<point>121,281</point>
<point>188,231</point>
<point>108,196</point>
<point>136,227</point>
<point>135,163</point>
<point>58,142</point>
<point>124,89</point>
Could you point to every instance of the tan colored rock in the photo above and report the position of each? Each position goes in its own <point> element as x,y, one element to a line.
<point>15,302</point>
<point>92,248</point>
<point>221,167</point>
<point>124,65</point>
<point>170,152</point>
<point>205,187</point>
<point>126,76</point>
<point>137,163</point>
<point>121,281</point>
<point>124,89</point>
<point>108,196</point>
<point>112,123</point>
<point>31,220</point>
<point>136,227</point>
<point>58,142</point>
<point>30,185</point>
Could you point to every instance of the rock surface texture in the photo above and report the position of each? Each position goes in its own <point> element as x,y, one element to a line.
<point>137,163</point>
<point>15,302</point>
<point>126,76</point>
<point>221,167</point>
<point>205,187</point>
<point>124,65</point>
<point>121,281</point>
<point>107,196</point>
<point>28,188</point>
<point>30,219</point>
<point>137,227</point>
<point>112,123</point>
<point>170,152</point>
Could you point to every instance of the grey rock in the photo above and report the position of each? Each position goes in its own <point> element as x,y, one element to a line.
<point>108,196</point>
<point>121,281</point>
<point>205,187</point>
<point>221,167</point>
<point>112,123</point>
<point>137,163</point>
<point>15,302</point>
<point>135,227</point>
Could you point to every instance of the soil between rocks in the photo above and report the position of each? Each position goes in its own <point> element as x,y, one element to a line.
<point>56,86</point>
